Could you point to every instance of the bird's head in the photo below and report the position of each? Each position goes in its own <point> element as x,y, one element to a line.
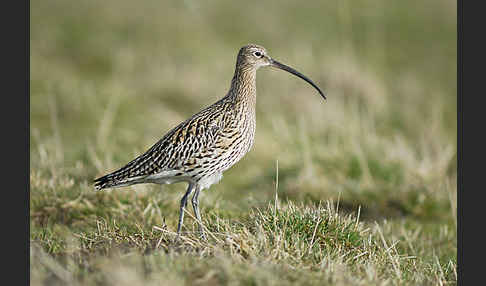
<point>254,56</point>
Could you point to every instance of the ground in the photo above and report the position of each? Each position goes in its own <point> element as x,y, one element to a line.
<point>356,190</point>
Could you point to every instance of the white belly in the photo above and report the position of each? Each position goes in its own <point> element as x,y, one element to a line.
<point>206,182</point>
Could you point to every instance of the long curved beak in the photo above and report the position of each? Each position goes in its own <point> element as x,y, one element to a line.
<point>281,66</point>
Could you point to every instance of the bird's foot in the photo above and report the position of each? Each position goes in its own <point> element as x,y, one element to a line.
<point>203,236</point>
<point>177,239</point>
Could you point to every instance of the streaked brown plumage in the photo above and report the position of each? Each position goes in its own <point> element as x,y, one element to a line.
<point>201,148</point>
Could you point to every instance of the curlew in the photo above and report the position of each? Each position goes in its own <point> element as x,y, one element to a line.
<point>200,149</point>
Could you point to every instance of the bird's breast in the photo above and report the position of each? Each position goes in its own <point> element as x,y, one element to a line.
<point>240,140</point>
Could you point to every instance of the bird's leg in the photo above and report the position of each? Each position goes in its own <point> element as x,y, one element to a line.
<point>195,206</point>
<point>190,188</point>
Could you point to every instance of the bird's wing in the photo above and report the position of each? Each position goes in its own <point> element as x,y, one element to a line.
<point>180,147</point>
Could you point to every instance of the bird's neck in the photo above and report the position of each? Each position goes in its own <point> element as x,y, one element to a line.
<point>243,87</point>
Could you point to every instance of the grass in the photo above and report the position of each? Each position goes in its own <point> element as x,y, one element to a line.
<point>365,188</point>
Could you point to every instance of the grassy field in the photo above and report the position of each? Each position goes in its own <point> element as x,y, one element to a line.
<point>358,190</point>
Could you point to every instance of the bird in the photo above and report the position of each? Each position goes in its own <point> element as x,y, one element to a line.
<point>201,148</point>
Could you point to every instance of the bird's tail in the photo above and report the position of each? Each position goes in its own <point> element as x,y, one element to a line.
<point>114,180</point>
<point>124,176</point>
<point>104,182</point>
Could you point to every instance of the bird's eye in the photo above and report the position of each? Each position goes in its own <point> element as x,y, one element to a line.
<point>258,54</point>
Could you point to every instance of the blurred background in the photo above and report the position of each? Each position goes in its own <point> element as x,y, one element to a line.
<point>109,78</point>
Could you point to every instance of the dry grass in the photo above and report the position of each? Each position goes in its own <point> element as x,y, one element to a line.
<point>366,190</point>
<point>295,244</point>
